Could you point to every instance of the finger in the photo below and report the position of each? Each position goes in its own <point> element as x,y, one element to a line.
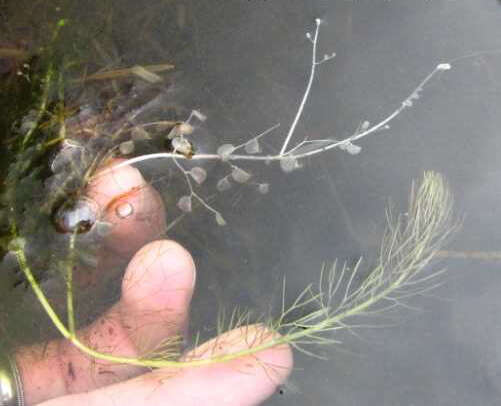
<point>245,381</point>
<point>156,291</point>
<point>133,212</point>
<point>133,208</point>
<point>155,304</point>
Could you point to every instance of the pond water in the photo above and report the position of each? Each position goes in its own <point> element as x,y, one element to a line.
<point>244,66</point>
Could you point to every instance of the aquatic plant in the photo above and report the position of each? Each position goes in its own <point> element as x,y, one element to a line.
<point>313,318</point>
<point>289,156</point>
<point>408,246</point>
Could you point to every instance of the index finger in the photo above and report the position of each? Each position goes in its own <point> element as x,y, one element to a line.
<point>133,208</point>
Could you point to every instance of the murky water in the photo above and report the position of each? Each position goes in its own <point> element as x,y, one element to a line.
<point>245,65</point>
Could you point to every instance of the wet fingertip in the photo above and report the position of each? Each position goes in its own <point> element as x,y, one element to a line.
<point>161,263</point>
<point>246,379</point>
<point>108,182</point>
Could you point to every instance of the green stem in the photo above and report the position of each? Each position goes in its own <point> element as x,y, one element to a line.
<point>21,258</point>
<point>60,93</point>
<point>42,108</point>
<point>69,286</point>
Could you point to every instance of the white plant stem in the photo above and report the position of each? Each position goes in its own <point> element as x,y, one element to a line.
<point>190,187</point>
<point>306,94</point>
<point>303,149</point>
<point>331,143</point>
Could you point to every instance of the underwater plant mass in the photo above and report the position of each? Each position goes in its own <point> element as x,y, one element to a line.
<point>57,227</point>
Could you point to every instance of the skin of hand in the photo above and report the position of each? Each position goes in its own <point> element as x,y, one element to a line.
<point>156,292</point>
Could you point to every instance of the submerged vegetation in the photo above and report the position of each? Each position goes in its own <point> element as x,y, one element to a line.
<point>53,230</point>
<point>409,244</point>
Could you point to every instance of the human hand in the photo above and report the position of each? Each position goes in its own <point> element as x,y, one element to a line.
<point>156,292</point>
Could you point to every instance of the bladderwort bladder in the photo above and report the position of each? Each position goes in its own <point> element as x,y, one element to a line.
<point>343,294</point>
<point>289,156</point>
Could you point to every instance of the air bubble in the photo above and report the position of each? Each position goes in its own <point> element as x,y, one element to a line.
<point>184,204</point>
<point>239,175</point>
<point>124,210</point>
<point>252,146</point>
<point>365,126</point>
<point>198,174</point>
<point>223,184</point>
<point>225,150</point>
